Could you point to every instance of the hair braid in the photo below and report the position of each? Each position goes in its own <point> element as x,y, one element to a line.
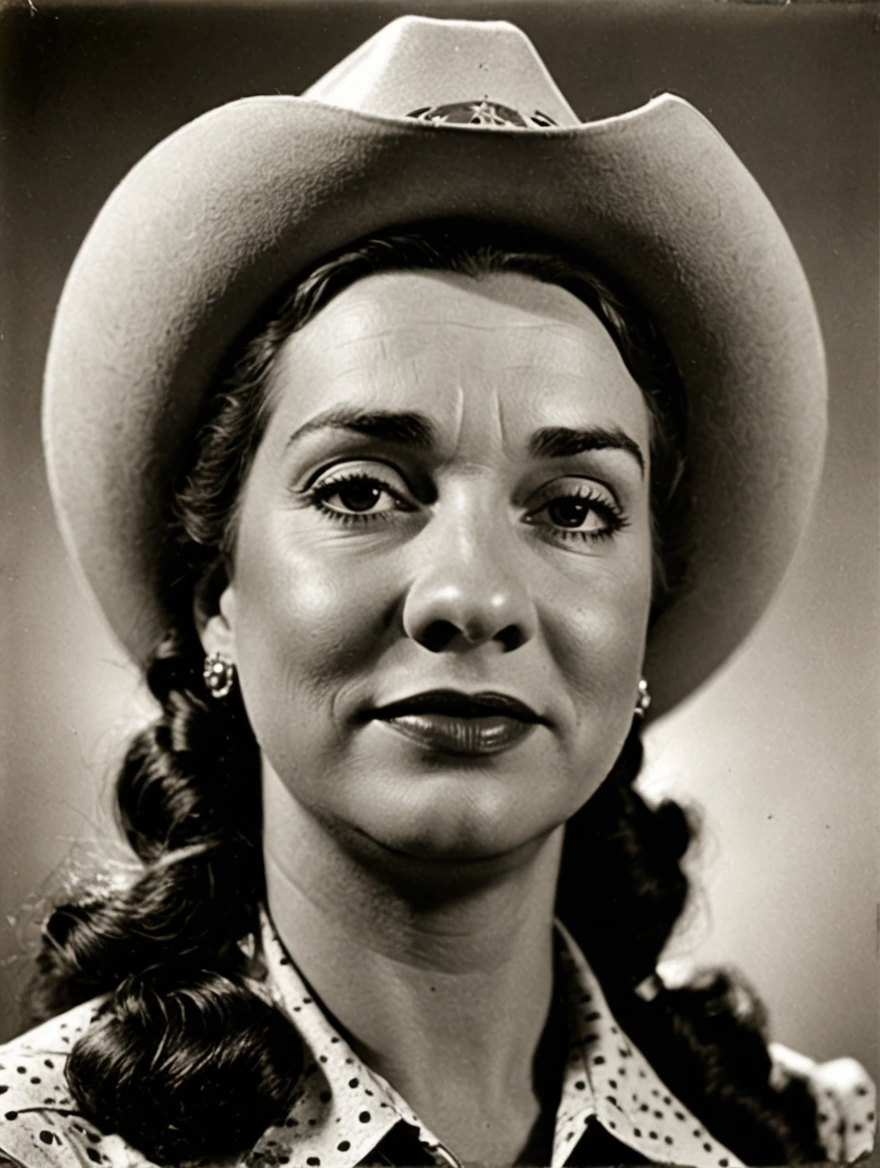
<point>185,1058</point>
<point>707,1039</point>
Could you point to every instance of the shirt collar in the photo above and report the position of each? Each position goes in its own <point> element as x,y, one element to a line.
<point>343,1110</point>
<point>608,1077</point>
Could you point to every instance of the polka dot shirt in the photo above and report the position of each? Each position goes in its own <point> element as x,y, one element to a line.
<point>345,1115</point>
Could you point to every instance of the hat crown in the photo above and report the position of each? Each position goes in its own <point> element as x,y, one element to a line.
<point>485,73</point>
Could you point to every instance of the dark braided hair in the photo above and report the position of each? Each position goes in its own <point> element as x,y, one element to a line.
<point>706,1040</point>
<point>188,1058</point>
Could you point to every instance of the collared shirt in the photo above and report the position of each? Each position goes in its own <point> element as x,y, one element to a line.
<point>345,1115</point>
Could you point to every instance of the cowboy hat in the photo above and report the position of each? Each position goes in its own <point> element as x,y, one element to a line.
<point>438,119</point>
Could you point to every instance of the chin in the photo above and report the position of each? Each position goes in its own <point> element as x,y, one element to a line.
<point>459,816</point>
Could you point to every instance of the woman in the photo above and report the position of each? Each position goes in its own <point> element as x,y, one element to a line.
<point>404,580</point>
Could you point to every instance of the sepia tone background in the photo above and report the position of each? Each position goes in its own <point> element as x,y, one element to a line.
<point>780,753</point>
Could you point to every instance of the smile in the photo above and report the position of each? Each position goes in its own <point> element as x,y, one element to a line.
<point>456,723</point>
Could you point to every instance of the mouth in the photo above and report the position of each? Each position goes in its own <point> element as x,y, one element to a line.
<point>458,723</point>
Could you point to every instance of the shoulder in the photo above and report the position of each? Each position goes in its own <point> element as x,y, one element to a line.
<point>846,1100</point>
<point>39,1124</point>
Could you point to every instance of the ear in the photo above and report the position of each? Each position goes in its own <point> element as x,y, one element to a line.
<point>214,614</point>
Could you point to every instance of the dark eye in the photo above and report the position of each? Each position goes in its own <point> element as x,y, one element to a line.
<point>576,509</point>
<point>354,493</point>
<point>573,512</point>
<point>359,495</point>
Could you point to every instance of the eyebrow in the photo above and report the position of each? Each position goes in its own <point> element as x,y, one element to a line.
<point>401,429</point>
<point>415,430</point>
<point>562,442</point>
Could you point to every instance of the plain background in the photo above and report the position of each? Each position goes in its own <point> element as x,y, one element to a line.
<point>780,752</point>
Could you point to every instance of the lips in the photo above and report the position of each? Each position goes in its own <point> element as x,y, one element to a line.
<point>458,723</point>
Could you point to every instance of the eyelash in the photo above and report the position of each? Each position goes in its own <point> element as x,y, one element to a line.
<point>317,497</point>
<point>610,512</point>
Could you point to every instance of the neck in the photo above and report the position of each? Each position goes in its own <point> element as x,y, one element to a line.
<point>454,968</point>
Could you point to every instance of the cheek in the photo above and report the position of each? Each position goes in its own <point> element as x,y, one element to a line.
<point>599,648</point>
<point>306,623</point>
<point>600,614</point>
<point>596,638</point>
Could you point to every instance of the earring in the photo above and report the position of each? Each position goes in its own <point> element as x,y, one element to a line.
<point>643,701</point>
<point>219,675</point>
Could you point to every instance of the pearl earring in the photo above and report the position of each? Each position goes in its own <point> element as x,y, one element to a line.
<point>643,701</point>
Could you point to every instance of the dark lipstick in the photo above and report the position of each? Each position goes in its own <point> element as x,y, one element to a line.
<point>459,723</point>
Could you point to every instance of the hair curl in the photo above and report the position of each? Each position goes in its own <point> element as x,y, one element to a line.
<point>187,1059</point>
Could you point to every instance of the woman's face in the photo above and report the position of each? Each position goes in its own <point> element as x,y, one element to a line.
<point>452,495</point>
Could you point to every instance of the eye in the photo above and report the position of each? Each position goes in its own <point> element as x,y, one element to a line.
<point>577,509</point>
<point>360,493</point>
<point>572,511</point>
<point>357,495</point>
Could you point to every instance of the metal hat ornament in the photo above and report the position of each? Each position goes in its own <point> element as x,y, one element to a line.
<point>437,119</point>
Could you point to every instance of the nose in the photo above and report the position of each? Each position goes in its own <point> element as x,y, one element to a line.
<point>470,589</point>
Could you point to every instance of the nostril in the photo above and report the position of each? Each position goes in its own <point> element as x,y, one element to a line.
<point>511,638</point>
<point>438,635</point>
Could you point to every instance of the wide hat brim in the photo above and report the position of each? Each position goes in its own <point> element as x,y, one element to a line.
<point>221,215</point>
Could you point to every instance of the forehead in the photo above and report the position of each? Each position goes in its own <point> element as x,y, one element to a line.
<point>436,342</point>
